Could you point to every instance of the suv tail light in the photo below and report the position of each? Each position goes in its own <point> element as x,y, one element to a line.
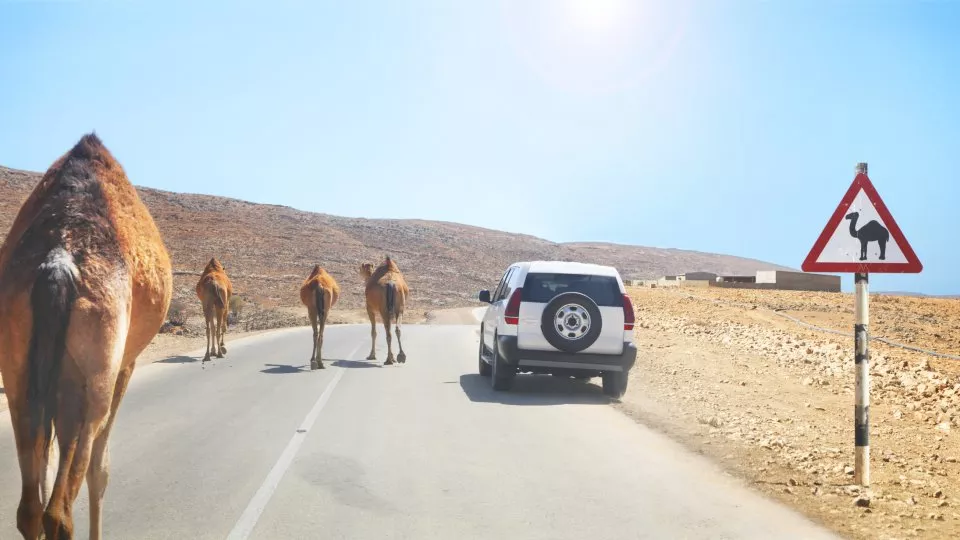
<point>628,317</point>
<point>511,315</point>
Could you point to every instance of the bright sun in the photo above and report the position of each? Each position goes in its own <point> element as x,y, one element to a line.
<point>597,15</point>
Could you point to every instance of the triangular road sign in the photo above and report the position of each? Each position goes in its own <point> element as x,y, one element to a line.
<point>862,236</point>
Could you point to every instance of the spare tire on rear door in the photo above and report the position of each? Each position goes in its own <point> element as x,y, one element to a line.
<point>571,322</point>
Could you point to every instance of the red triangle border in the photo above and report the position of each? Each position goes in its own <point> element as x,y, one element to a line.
<point>912,266</point>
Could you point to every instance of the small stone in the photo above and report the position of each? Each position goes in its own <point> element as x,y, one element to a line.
<point>848,470</point>
<point>809,350</point>
<point>862,501</point>
<point>787,490</point>
<point>938,493</point>
<point>898,414</point>
<point>944,427</point>
<point>941,504</point>
<point>792,482</point>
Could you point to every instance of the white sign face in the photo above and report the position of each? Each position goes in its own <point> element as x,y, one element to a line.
<point>862,237</point>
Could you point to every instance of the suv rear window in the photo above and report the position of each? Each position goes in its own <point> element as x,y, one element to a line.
<point>604,290</point>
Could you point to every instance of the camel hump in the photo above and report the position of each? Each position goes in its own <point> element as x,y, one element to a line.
<point>90,147</point>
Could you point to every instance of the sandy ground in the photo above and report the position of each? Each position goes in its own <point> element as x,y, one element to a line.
<point>773,402</point>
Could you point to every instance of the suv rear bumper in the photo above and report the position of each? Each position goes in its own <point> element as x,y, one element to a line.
<point>511,355</point>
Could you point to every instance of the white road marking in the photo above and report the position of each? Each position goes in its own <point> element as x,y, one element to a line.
<point>248,520</point>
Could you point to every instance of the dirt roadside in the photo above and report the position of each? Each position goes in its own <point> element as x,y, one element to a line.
<point>772,402</point>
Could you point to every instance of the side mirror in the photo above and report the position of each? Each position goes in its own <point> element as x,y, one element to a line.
<point>485,296</point>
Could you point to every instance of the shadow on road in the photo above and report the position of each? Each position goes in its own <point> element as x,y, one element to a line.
<point>178,360</point>
<point>534,390</point>
<point>357,363</point>
<point>279,369</point>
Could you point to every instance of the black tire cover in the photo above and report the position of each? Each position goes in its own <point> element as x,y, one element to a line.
<point>550,332</point>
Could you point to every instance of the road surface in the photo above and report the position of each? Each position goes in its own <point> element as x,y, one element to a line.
<point>423,450</point>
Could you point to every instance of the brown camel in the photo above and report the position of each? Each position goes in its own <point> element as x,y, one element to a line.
<point>386,294</point>
<point>85,283</point>
<point>214,290</point>
<point>319,293</point>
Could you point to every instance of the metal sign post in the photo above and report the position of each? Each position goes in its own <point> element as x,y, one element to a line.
<point>861,464</point>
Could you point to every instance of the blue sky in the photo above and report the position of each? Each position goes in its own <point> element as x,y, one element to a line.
<point>729,127</point>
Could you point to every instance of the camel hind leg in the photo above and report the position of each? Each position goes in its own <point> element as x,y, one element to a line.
<point>883,249</point>
<point>373,333</point>
<point>87,388</point>
<point>223,331</point>
<point>312,314</point>
<point>386,328</point>
<point>208,323</point>
<point>30,510</point>
<point>319,341</point>
<point>221,323</point>
<point>401,356</point>
<point>99,472</point>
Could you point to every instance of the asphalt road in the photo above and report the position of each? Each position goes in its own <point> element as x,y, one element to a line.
<point>257,446</point>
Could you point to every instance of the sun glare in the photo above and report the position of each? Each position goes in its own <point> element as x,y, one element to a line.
<point>597,15</point>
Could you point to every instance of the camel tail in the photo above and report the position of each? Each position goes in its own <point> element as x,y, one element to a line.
<point>391,293</point>
<point>52,299</point>
<point>318,298</point>
<point>221,299</point>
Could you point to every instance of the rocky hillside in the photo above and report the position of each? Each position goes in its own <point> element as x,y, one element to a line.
<point>269,249</point>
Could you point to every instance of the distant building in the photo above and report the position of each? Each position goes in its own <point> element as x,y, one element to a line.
<point>700,276</point>
<point>764,279</point>
<point>799,281</point>
<point>736,279</point>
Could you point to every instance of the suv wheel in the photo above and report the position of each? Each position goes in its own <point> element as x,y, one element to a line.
<point>485,369</point>
<point>502,374</point>
<point>615,383</point>
<point>571,322</point>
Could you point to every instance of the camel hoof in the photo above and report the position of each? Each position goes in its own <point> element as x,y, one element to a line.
<point>313,364</point>
<point>321,366</point>
<point>206,358</point>
<point>220,355</point>
<point>389,362</point>
<point>372,357</point>
<point>402,358</point>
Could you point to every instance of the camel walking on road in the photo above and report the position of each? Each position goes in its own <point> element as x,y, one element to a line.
<point>386,295</point>
<point>214,290</point>
<point>319,293</point>
<point>85,284</point>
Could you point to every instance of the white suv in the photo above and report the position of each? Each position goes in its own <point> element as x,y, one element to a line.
<point>562,318</point>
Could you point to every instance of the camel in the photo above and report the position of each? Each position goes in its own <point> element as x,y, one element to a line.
<point>319,293</point>
<point>386,294</point>
<point>871,232</point>
<point>214,290</point>
<point>85,284</point>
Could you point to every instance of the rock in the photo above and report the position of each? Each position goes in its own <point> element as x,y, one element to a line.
<point>848,470</point>
<point>898,414</point>
<point>862,501</point>
<point>938,493</point>
<point>792,482</point>
<point>944,427</point>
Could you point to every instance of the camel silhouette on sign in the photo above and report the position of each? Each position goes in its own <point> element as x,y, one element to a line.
<point>871,232</point>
